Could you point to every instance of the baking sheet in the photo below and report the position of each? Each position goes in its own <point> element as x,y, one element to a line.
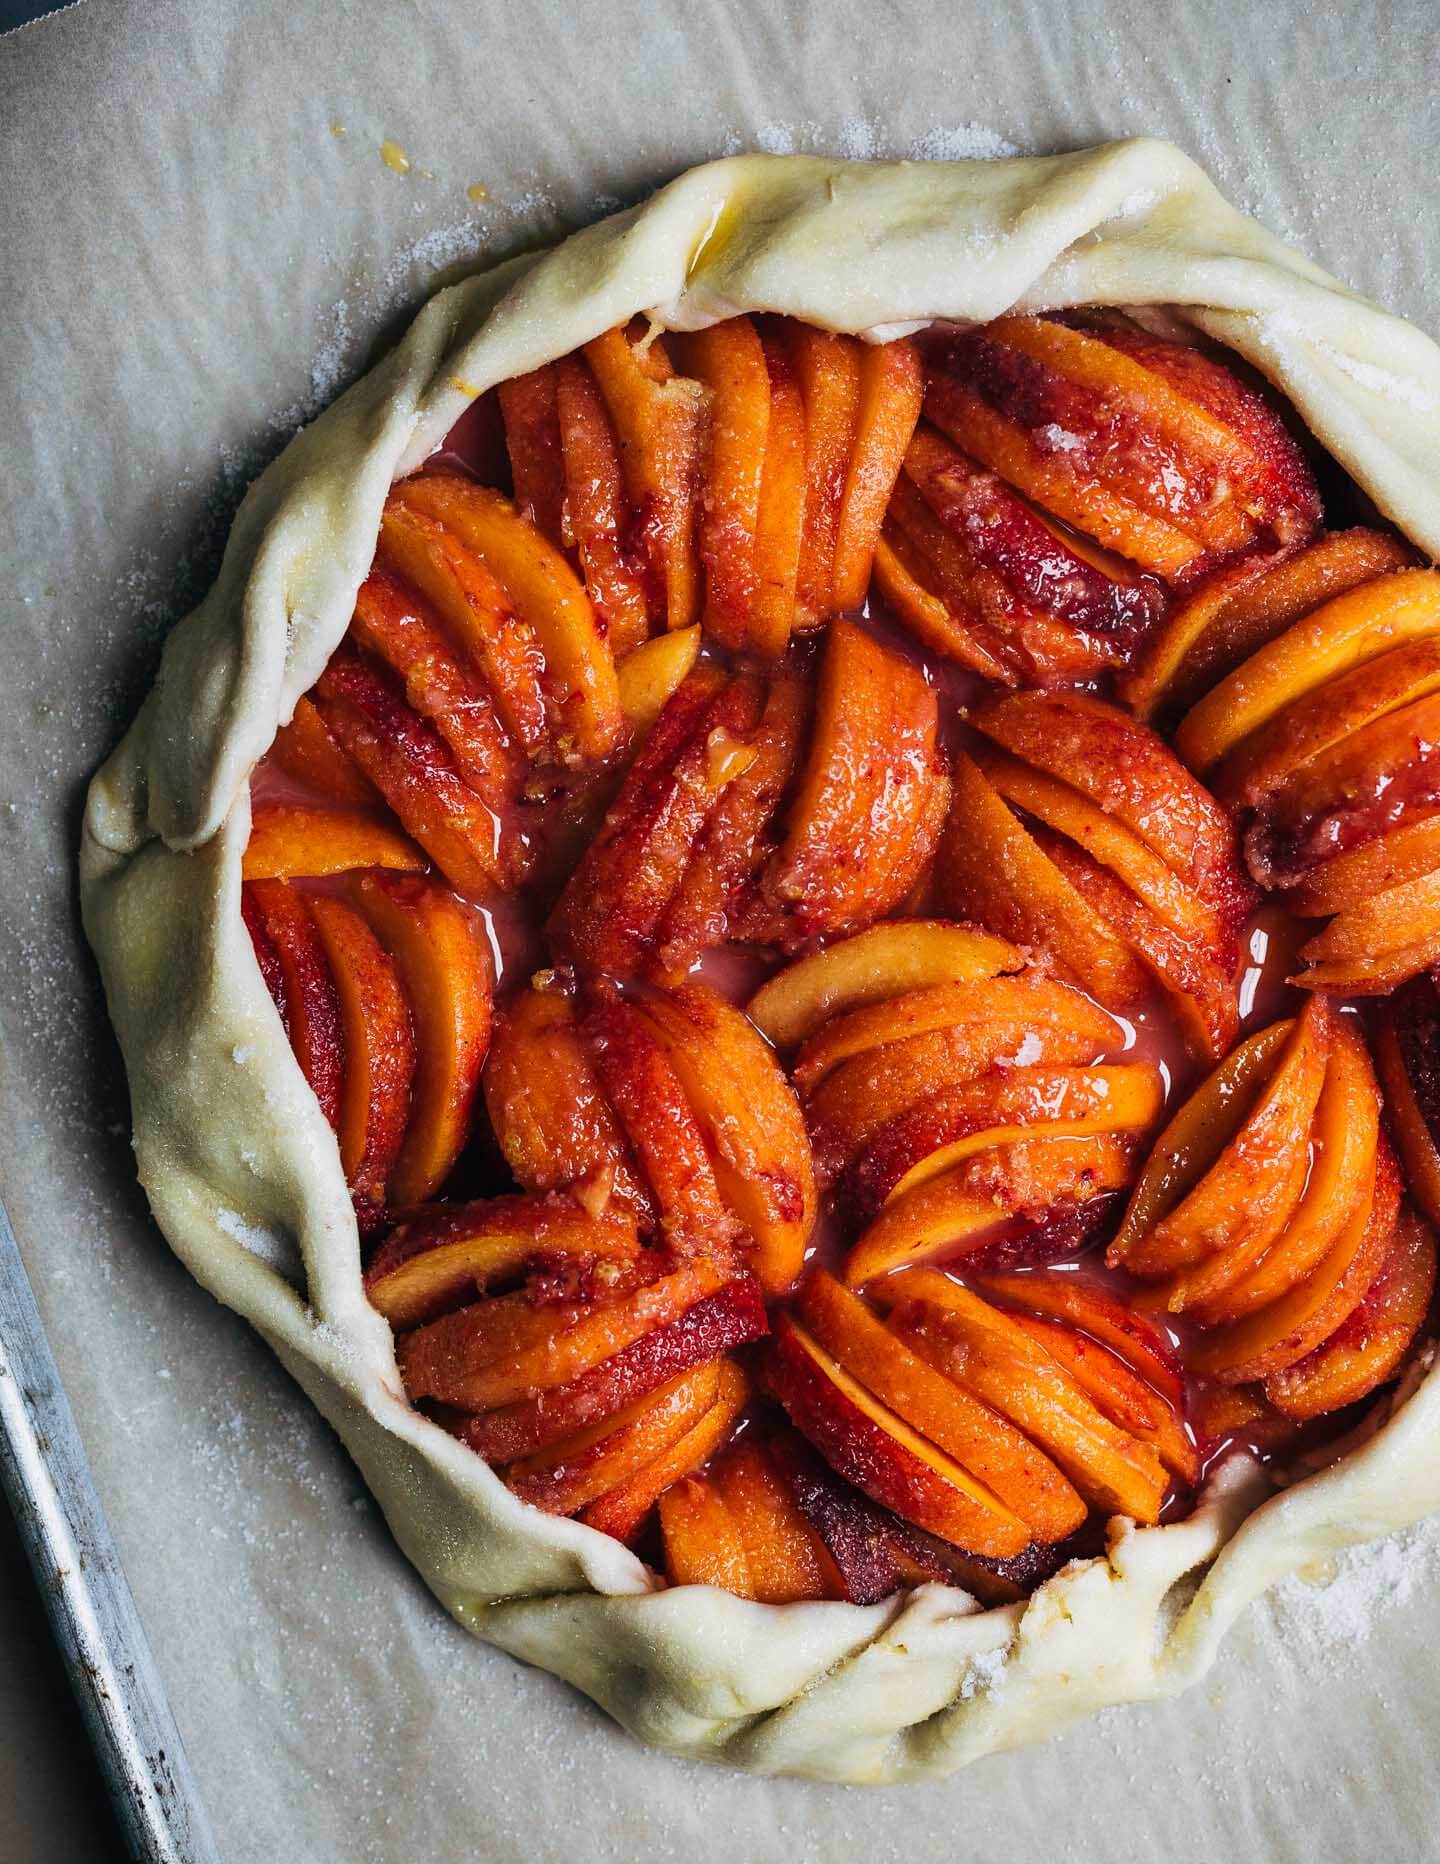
<point>202,244</point>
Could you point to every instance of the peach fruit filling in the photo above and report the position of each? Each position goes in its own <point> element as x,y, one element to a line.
<point>761,898</point>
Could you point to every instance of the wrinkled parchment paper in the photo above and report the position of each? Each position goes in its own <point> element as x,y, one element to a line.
<point>202,242</point>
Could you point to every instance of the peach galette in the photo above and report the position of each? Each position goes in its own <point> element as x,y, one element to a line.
<point>761,892</point>
<point>860,915</point>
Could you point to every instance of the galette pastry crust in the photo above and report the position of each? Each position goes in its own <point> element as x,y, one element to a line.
<point>243,1171</point>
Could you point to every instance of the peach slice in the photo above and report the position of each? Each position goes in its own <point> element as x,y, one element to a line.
<point>453,1358</point>
<point>892,388</point>
<point>529,410</point>
<point>419,552</point>
<point>992,869</point>
<point>596,508</point>
<point>1338,742</point>
<point>1234,614</point>
<point>1195,1137</point>
<point>906,579</point>
<point>780,517</point>
<point>1371,1345</point>
<point>1118,1393</point>
<point>624,1510</point>
<point>729,360</point>
<point>1379,615</point>
<point>566,1477</point>
<point>295,840</point>
<point>392,625</point>
<point>996,1109</point>
<point>1065,811</point>
<point>1246,1196</point>
<point>413,768</point>
<point>651,674</point>
<point>829,369</point>
<point>710,900</point>
<point>377,1095</point>
<point>1196,975</point>
<point>997,1454</point>
<point>873,1447</point>
<point>787,1559</point>
<point>968,1208</point>
<point>1305,1313</point>
<point>702,1539</point>
<point>751,1121</point>
<point>868,809</point>
<point>1147,446</point>
<point>659,420</point>
<point>714,1325</point>
<point>1379,943</point>
<point>1011,584</point>
<point>582,698</point>
<point>1129,772</point>
<point>1034,1002</point>
<point>1343,1141</point>
<point>871,967</point>
<point>297,973</point>
<point>438,1255</point>
<point>306,750</point>
<point>863,1096</point>
<point>992,1355</point>
<point>666,1133</point>
<point>862,1541</point>
<point>609,915</point>
<point>444,964</point>
<point>548,1109</point>
<point>1406,853</point>
<point>1102,1315</point>
<point>1409,1065</point>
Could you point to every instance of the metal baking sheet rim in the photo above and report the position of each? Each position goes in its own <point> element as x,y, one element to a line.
<point>46,1479</point>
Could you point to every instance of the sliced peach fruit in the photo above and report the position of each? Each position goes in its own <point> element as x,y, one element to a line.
<point>651,674</point>
<point>981,1203</point>
<point>440,1255</point>
<point>867,813</point>
<point>873,1447</point>
<point>870,967</point>
<point>659,419</point>
<point>941,1411</point>
<point>306,749</point>
<point>582,698</point>
<point>298,974</point>
<point>1232,615</point>
<point>294,840</point>
<point>995,1358</point>
<point>567,1476</point>
<point>892,387</point>
<point>1372,1343</point>
<point>751,1121</point>
<point>702,1539</point>
<point>444,964</point>
<point>548,1109</point>
<point>376,1099</point>
<point>786,1557</point>
<point>597,514</point>
<point>708,1328</point>
<point>452,1358</point>
<point>624,1509</point>
<point>414,769</point>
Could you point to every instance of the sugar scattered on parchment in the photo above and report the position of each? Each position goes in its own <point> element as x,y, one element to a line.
<point>864,139</point>
<point>1367,1582</point>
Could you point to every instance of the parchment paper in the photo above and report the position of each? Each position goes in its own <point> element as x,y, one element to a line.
<point>195,259</point>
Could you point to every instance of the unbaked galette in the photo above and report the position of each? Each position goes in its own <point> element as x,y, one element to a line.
<point>781,925</point>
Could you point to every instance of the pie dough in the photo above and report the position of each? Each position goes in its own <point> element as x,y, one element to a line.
<point>243,1172</point>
